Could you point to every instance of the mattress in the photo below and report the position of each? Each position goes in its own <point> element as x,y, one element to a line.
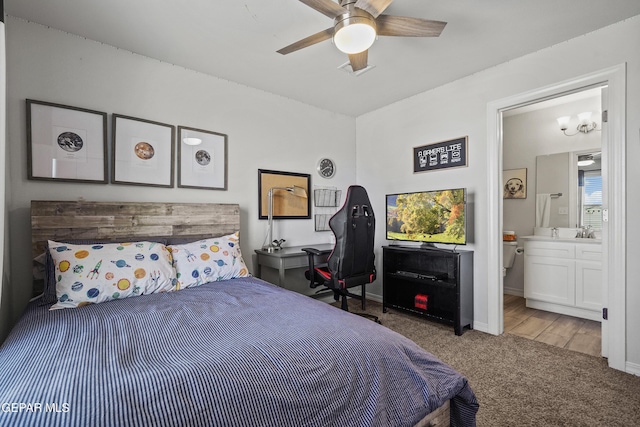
<point>239,352</point>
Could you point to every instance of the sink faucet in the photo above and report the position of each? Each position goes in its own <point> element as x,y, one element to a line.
<point>586,232</point>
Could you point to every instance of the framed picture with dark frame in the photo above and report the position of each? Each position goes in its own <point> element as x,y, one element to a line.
<point>143,152</point>
<point>441,155</point>
<point>66,143</point>
<point>202,159</point>
<point>290,190</point>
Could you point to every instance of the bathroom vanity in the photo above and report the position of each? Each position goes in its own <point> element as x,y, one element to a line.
<point>564,275</point>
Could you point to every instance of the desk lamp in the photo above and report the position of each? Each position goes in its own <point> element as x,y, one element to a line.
<point>296,191</point>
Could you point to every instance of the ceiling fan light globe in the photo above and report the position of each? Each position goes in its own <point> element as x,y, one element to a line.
<point>354,35</point>
<point>192,141</point>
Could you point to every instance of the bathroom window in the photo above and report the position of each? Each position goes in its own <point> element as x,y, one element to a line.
<point>591,199</point>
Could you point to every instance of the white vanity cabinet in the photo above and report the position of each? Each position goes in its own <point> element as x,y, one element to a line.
<point>563,276</point>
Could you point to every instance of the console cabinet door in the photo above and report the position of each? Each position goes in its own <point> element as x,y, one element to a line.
<point>549,279</point>
<point>589,284</point>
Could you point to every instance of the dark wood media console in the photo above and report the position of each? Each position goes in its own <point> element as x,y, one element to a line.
<point>431,282</point>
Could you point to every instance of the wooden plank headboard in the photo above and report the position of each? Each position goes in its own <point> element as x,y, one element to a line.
<point>115,221</point>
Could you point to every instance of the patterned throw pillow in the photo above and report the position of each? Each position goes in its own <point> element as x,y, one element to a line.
<point>209,260</point>
<point>87,274</point>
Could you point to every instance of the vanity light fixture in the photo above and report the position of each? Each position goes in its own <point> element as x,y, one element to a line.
<point>586,125</point>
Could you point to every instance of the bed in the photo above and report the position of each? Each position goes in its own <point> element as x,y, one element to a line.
<point>232,352</point>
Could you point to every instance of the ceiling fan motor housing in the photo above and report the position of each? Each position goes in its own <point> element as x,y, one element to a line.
<point>353,15</point>
<point>353,18</point>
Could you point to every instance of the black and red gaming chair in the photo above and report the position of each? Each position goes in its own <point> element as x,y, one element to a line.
<point>351,262</point>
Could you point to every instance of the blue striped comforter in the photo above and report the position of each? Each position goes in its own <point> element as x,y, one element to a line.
<point>236,353</point>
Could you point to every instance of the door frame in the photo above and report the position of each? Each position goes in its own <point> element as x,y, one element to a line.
<point>613,250</point>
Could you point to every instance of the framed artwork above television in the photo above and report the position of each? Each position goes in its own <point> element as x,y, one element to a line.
<point>440,155</point>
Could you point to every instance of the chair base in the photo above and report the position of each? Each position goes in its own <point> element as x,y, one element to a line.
<point>344,305</point>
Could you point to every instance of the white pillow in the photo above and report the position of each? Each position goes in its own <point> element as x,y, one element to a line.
<point>87,274</point>
<point>208,260</point>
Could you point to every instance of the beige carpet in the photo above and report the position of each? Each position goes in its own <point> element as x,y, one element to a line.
<point>520,382</point>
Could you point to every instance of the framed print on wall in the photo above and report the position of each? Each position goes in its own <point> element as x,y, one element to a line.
<point>287,203</point>
<point>514,183</point>
<point>202,159</point>
<point>66,143</point>
<point>441,155</point>
<point>143,152</point>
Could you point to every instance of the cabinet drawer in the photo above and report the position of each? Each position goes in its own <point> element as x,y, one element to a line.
<point>589,252</point>
<point>550,249</point>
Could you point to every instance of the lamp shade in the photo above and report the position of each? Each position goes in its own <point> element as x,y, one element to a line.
<point>585,118</point>
<point>354,34</point>
<point>564,122</point>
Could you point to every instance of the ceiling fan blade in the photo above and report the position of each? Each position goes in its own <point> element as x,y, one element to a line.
<point>326,7</point>
<point>374,7</point>
<point>404,26</point>
<point>359,60</point>
<point>307,41</point>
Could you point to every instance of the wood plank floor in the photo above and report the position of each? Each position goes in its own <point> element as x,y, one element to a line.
<point>568,332</point>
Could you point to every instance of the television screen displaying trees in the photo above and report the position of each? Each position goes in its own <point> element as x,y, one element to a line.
<point>427,216</point>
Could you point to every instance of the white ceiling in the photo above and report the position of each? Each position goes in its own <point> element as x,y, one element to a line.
<point>237,40</point>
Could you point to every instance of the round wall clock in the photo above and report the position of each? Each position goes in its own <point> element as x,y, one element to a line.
<point>326,168</point>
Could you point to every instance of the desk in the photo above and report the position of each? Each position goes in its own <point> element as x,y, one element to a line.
<point>286,258</point>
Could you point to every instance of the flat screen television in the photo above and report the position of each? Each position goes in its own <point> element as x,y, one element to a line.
<point>428,217</point>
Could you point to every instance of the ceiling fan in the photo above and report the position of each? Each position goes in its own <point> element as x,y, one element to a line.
<point>356,25</point>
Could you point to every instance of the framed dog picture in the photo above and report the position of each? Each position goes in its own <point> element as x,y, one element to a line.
<point>515,183</point>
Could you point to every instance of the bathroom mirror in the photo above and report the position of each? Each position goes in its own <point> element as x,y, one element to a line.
<point>569,193</point>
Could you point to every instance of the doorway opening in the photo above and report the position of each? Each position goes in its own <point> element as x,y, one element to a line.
<point>613,204</point>
<point>548,140</point>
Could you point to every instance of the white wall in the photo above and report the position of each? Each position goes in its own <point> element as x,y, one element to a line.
<point>385,139</point>
<point>265,131</point>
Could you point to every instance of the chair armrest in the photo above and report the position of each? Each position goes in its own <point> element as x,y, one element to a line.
<point>315,256</point>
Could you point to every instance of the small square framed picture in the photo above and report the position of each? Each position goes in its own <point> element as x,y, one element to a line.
<point>202,159</point>
<point>143,152</point>
<point>514,184</point>
<point>66,143</point>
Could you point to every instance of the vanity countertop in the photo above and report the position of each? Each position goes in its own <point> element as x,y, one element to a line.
<point>561,239</point>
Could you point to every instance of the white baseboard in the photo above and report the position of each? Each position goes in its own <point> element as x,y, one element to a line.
<point>514,291</point>
<point>633,368</point>
<point>480,326</point>
<point>374,297</point>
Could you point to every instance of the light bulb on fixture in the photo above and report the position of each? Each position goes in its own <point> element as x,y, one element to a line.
<point>586,125</point>
<point>354,32</point>
<point>564,122</point>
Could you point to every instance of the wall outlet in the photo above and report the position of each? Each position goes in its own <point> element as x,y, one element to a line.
<point>563,210</point>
